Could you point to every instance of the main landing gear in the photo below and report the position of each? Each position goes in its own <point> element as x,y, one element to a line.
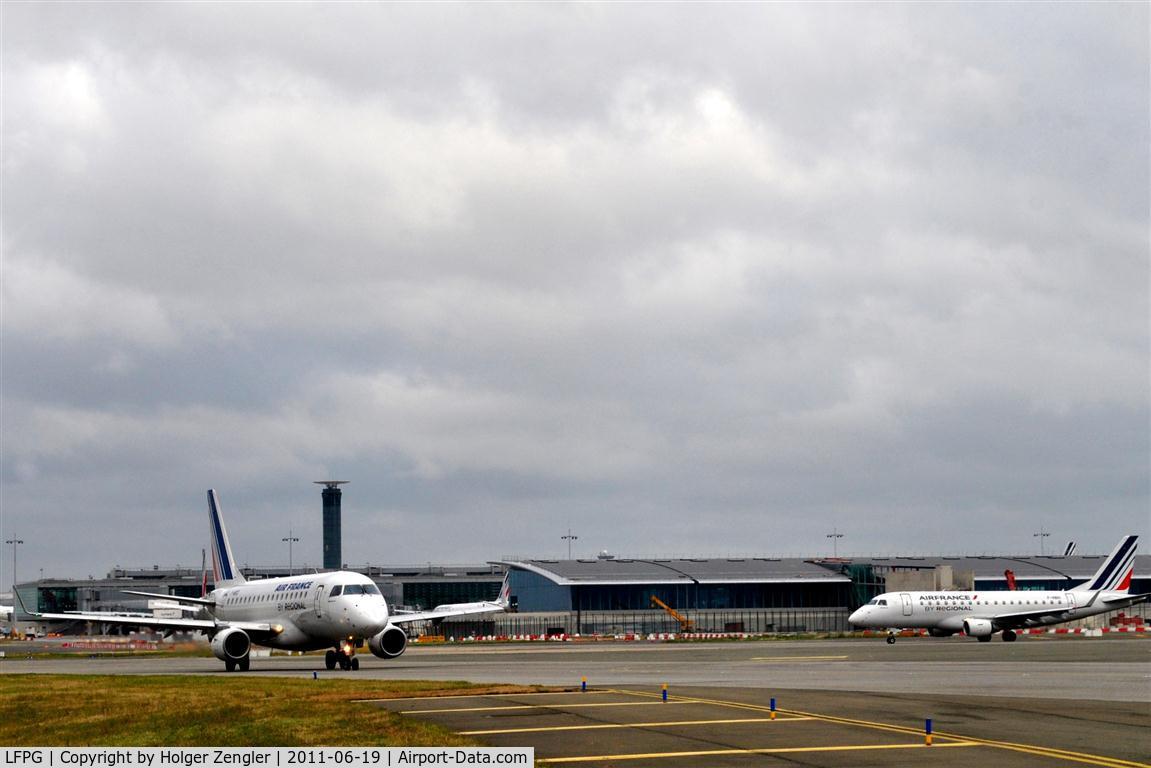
<point>344,658</point>
<point>1009,636</point>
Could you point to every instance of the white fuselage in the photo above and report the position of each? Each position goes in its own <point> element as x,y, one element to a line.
<point>948,610</point>
<point>312,612</point>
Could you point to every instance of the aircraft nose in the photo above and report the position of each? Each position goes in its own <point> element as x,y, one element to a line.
<point>371,616</point>
<point>856,618</point>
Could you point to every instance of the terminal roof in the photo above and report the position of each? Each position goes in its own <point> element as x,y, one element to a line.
<point>661,571</point>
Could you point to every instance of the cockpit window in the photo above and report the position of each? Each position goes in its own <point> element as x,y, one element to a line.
<point>335,591</point>
<point>877,601</point>
<point>361,589</point>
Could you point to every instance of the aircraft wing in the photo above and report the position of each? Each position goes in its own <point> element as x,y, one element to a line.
<point>173,598</point>
<point>1030,618</point>
<point>444,611</point>
<point>182,625</point>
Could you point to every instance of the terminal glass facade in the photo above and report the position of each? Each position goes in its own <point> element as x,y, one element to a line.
<point>429,594</point>
<point>534,592</point>
<point>56,599</point>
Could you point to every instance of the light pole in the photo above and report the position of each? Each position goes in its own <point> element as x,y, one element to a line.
<point>14,541</point>
<point>289,538</point>
<point>570,537</point>
<point>835,536</point>
<point>1041,535</point>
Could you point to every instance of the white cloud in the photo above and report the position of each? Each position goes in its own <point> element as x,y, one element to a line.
<point>47,301</point>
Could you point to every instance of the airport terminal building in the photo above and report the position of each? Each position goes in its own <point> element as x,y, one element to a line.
<point>620,595</point>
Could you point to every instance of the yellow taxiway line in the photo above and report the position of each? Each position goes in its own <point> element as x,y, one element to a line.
<point>545,706</point>
<point>766,751</point>
<point>671,723</point>
<point>496,694</point>
<point>1051,752</point>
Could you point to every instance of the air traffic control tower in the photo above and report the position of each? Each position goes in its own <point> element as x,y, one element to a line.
<point>332,536</point>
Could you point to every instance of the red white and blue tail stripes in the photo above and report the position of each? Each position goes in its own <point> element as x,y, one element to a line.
<point>1115,573</point>
<point>223,564</point>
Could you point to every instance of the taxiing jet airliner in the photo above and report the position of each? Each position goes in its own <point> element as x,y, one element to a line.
<point>339,610</point>
<point>982,614</point>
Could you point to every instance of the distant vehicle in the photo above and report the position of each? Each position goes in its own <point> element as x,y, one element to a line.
<point>339,610</point>
<point>982,614</point>
<point>6,613</point>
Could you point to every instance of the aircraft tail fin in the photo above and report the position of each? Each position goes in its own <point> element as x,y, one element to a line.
<point>224,567</point>
<point>1115,573</point>
<point>505,598</point>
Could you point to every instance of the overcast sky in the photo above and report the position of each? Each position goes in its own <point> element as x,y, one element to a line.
<point>685,278</point>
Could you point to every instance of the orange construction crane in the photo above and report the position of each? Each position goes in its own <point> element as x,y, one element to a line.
<point>685,623</point>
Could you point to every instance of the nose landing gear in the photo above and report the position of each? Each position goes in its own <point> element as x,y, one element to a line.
<point>344,656</point>
<point>891,638</point>
<point>243,664</point>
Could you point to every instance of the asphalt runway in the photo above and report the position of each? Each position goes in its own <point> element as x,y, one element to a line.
<point>1040,701</point>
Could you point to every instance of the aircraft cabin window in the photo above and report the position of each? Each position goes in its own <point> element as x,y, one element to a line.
<point>335,591</point>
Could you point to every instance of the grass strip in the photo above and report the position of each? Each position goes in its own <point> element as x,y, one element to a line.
<point>195,711</point>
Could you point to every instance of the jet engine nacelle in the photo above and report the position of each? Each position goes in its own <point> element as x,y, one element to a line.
<point>231,644</point>
<point>390,643</point>
<point>978,627</point>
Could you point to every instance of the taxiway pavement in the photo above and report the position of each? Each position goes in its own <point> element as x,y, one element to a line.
<point>1040,701</point>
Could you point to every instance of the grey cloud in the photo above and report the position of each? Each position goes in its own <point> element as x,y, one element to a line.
<point>710,279</point>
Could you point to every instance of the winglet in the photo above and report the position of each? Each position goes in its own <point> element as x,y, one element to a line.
<point>223,563</point>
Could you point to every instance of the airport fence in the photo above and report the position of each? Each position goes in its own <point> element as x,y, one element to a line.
<point>611,623</point>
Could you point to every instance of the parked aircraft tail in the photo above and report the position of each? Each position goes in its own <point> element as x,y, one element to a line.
<point>505,597</point>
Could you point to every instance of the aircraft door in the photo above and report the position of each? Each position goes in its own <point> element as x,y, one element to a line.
<point>320,601</point>
<point>906,598</point>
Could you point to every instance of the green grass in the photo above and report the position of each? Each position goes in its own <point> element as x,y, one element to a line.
<point>112,710</point>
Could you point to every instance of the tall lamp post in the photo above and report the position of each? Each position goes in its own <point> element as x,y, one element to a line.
<point>570,537</point>
<point>14,541</point>
<point>289,538</point>
<point>1041,535</point>
<point>835,536</point>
